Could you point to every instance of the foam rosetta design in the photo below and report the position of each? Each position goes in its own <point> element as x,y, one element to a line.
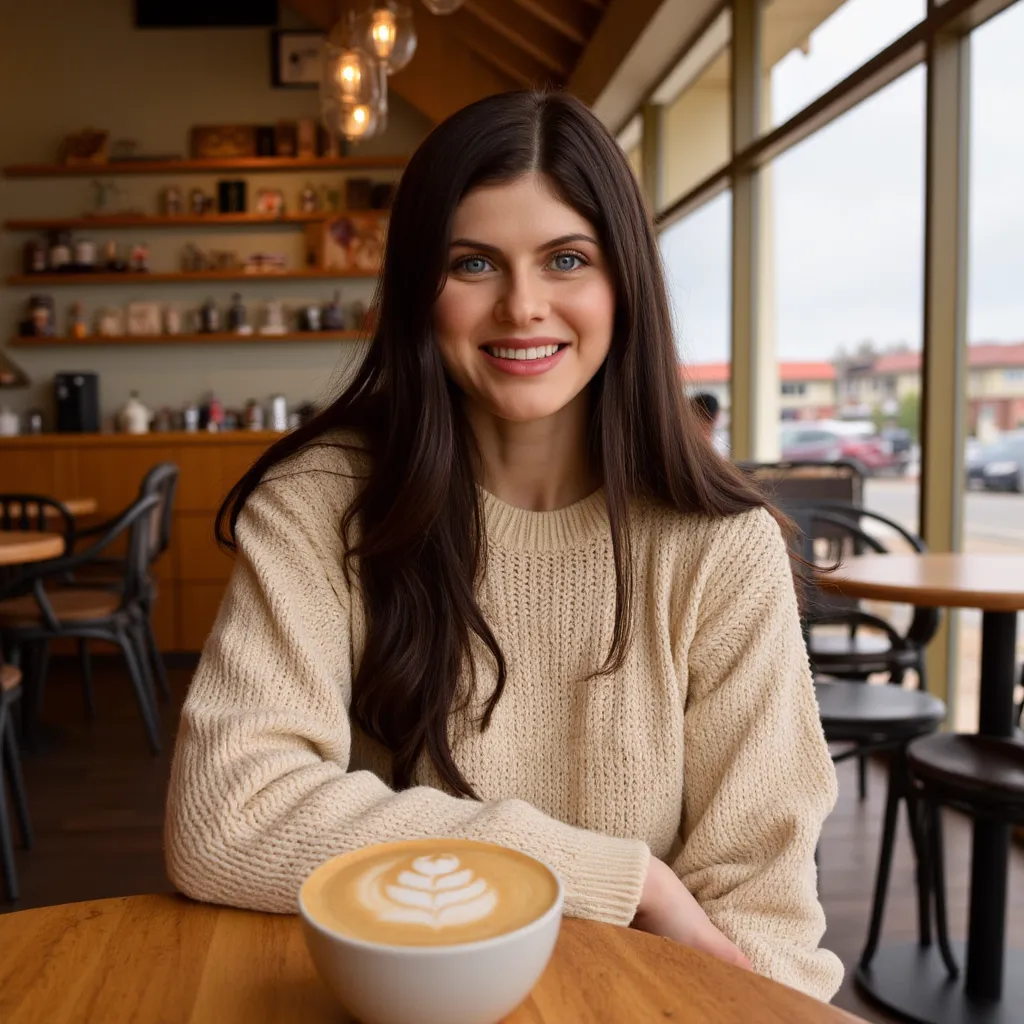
<point>435,891</point>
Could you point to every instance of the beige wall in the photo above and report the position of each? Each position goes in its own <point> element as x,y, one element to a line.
<point>68,64</point>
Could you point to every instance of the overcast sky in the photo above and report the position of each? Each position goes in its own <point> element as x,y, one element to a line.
<point>848,202</point>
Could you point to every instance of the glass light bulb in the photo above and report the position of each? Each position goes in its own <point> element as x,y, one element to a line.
<point>357,121</point>
<point>350,74</point>
<point>383,29</point>
<point>442,6</point>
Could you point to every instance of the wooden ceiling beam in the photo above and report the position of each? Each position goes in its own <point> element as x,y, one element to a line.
<point>619,29</point>
<point>574,19</point>
<point>494,48</point>
<point>530,34</point>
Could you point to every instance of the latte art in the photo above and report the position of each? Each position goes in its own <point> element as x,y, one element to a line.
<point>434,892</point>
<point>429,892</point>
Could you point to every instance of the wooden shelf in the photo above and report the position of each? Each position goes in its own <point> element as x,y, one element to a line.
<point>221,338</point>
<point>213,220</point>
<point>249,164</point>
<point>87,280</point>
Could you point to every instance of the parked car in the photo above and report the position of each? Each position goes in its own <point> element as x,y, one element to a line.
<point>1003,467</point>
<point>832,441</point>
<point>902,442</point>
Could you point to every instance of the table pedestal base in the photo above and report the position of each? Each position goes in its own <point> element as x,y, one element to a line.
<point>911,981</point>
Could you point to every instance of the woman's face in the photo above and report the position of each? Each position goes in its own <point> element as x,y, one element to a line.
<point>525,317</point>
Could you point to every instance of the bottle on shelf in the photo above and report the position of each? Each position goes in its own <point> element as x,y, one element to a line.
<point>237,319</point>
<point>209,318</point>
<point>77,328</point>
<point>59,259</point>
<point>112,261</point>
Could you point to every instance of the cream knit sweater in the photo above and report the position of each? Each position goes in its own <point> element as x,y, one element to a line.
<point>704,749</point>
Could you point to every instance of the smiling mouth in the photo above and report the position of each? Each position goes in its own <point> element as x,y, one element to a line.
<point>523,354</point>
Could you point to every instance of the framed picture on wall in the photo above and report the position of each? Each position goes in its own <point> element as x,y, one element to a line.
<point>296,58</point>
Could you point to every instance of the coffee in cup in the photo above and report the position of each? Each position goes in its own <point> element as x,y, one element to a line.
<point>434,893</point>
<point>431,931</point>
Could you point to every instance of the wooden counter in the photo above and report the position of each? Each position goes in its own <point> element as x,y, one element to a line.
<point>110,467</point>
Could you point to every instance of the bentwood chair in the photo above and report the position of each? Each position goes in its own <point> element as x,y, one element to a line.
<point>162,482</point>
<point>52,609</point>
<point>10,778</point>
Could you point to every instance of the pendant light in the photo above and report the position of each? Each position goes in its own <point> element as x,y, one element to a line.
<point>350,85</point>
<point>387,30</point>
<point>442,6</point>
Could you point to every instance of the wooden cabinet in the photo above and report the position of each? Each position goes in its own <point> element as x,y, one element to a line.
<point>109,467</point>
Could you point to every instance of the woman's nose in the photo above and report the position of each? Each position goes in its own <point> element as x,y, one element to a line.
<point>523,301</point>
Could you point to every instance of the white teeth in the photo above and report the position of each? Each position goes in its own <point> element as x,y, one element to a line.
<point>541,352</point>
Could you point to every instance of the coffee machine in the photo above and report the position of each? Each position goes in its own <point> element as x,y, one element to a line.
<point>78,402</point>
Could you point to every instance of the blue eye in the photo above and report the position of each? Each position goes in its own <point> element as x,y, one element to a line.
<point>473,265</point>
<point>567,261</point>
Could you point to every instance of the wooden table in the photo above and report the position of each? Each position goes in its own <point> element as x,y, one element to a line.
<point>164,958</point>
<point>76,506</point>
<point>994,584</point>
<point>20,546</point>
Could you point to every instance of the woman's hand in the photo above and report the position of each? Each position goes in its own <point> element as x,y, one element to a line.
<point>667,908</point>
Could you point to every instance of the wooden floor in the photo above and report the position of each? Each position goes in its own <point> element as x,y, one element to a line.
<point>97,806</point>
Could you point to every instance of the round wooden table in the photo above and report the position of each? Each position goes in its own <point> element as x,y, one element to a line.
<point>909,979</point>
<point>165,958</point>
<point>20,546</point>
<point>76,506</point>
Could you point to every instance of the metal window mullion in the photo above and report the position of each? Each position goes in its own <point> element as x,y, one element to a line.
<point>746,380</point>
<point>944,393</point>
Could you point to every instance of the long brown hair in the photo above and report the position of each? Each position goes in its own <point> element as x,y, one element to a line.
<point>421,544</point>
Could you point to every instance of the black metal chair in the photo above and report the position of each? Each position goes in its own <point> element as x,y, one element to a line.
<point>836,530</point>
<point>46,613</point>
<point>10,776</point>
<point>885,719</point>
<point>981,776</point>
<point>161,481</point>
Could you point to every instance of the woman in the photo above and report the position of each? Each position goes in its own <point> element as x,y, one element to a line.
<point>503,589</point>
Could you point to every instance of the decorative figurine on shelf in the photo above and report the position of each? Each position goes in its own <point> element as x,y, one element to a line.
<point>270,202</point>
<point>330,198</point>
<point>332,316</point>
<point>214,414</point>
<point>209,318</point>
<point>237,320</point>
<point>309,201</point>
<point>110,323</point>
<point>40,322</point>
<point>172,320</point>
<point>133,417</point>
<point>103,197</point>
<point>77,328</point>
<point>138,262</point>
<point>199,202</point>
<point>172,202</point>
<point>273,318</point>
<point>310,318</point>
<point>112,262</point>
<point>253,415</point>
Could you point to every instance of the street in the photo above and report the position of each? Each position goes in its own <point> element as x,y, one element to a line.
<point>994,522</point>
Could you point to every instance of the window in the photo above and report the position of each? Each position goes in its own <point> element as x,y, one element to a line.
<point>794,389</point>
<point>846,269</point>
<point>806,49</point>
<point>995,316</point>
<point>696,255</point>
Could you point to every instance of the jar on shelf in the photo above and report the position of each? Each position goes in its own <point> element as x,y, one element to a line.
<point>85,254</point>
<point>209,318</point>
<point>59,258</point>
<point>34,256</point>
<point>40,323</point>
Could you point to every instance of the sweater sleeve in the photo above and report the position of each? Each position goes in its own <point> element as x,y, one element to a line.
<point>758,778</point>
<point>261,791</point>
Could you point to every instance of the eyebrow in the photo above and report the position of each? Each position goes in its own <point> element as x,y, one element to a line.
<point>470,243</point>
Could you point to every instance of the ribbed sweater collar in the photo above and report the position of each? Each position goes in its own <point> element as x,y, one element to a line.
<point>564,528</point>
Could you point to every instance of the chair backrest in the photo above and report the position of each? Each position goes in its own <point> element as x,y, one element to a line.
<point>162,481</point>
<point>142,521</point>
<point>787,482</point>
<point>834,530</point>
<point>39,514</point>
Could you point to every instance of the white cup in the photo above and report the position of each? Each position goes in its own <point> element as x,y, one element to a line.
<point>468,983</point>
